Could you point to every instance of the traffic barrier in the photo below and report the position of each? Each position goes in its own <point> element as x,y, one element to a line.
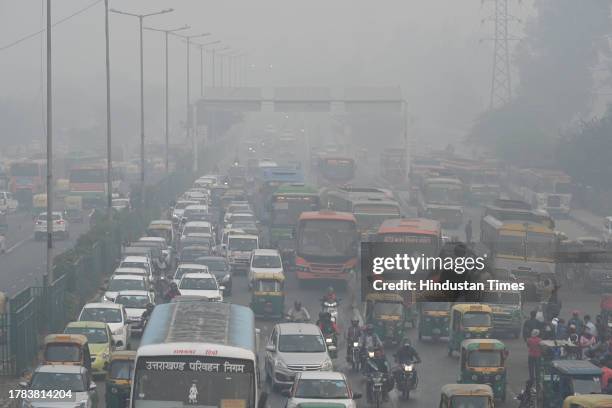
<point>38,310</point>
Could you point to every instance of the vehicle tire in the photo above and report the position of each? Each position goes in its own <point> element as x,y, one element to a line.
<point>406,394</point>
<point>377,400</point>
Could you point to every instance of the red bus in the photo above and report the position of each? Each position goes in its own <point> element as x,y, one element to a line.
<point>326,245</point>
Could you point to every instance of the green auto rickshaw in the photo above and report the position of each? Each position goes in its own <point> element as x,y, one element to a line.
<point>433,319</point>
<point>466,395</point>
<point>387,312</point>
<point>119,379</point>
<point>268,295</point>
<point>566,378</point>
<point>553,350</point>
<point>469,321</point>
<point>483,361</point>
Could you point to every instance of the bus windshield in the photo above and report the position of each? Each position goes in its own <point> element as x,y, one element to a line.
<point>338,169</point>
<point>540,245</point>
<point>327,238</point>
<point>88,176</point>
<point>444,194</point>
<point>286,211</point>
<point>196,380</point>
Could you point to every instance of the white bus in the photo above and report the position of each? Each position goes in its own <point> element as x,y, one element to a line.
<point>198,353</point>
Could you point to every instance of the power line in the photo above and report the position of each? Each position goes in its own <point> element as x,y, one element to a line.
<point>27,37</point>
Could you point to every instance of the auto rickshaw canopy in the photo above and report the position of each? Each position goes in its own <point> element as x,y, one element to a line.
<point>472,307</point>
<point>276,276</point>
<point>77,339</point>
<point>123,355</point>
<point>482,344</point>
<point>588,401</point>
<point>452,390</point>
<point>576,368</point>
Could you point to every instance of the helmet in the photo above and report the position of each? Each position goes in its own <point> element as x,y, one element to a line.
<point>173,285</point>
<point>321,315</point>
<point>355,322</point>
<point>150,306</point>
<point>407,343</point>
<point>330,289</point>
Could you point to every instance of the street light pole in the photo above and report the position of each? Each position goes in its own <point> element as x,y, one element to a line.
<point>49,268</point>
<point>109,163</point>
<point>166,124</point>
<point>142,131</point>
<point>214,53</point>
<point>202,46</point>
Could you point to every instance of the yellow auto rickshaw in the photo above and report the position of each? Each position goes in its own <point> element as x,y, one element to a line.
<point>268,295</point>
<point>588,401</point>
<point>66,349</point>
<point>483,361</point>
<point>39,204</point>
<point>469,321</point>
<point>119,378</point>
<point>466,395</point>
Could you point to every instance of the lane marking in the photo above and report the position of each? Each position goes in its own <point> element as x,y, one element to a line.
<point>18,244</point>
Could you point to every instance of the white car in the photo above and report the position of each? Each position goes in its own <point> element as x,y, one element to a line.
<point>67,378</point>
<point>112,314</point>
<point>60,226</point>
<point>179,209</point>
<point>134,271</point>
<point>135,303</point>
<point>320,387</point>
<point>135,261</point>
<point>239,248</point>
<point>7,202</point>
<point>200,284</point>
<point>163,246</point>
<point>265,260</point>
<point>121,204</point>
<point>184,268</point>
<point>117,283</point>
<point>190,227</point>
<point>233,217</point>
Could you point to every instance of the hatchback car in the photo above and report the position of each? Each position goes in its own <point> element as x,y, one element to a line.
<point>135,303</point>
<point>60,226</point>
<point>134,261</point>
<point>117,283</point>
<point>99,339</point>
<point>295,347</point>
<point>184,268</point>
<point>200,284</point>
<point>75,381</point>
<point>218,266</point>
<point>320,387</point>
<point>112,314</point>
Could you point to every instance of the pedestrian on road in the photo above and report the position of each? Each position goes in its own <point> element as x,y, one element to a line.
<point>561,332</point>
<point>576,321</point>
<point>468,232</point>
<point>534,353</point>
<point>530,324</point>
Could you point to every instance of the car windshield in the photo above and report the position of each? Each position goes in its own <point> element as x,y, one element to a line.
<point>117,285</point>
<point>43,217</point>
<point>133,265</point>
<point>242,244</point>
<point>465,401</point>
<point>121,369</point>
<point>322,389</point>
<point>198,284</point>
<point>485,358</point>
<point>301,343</point>
<point>63,352</point>
<point>58,381</point>
<point>102,314</point>
<point>181,271</point>
<point>327,238</point>
<point>472,319</point>
<point>195,230</point>
<point>215,264</point>
<point>94,335</point>
<point>266,261</point>
<point>133,301</point>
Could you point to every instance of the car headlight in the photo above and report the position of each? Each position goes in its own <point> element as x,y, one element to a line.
<point>327,365</point>
<point>280,364</point>
<point>118,332</point>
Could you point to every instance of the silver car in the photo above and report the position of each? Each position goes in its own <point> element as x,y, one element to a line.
<point>72,385</point>
<point>292,348</point>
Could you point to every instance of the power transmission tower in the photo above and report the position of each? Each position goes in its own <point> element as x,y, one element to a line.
<point>501,82</point>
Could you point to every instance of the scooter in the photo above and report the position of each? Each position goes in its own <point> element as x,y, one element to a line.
<point>406,379</point>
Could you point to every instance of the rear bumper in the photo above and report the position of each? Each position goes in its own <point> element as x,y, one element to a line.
<point>322,275</point>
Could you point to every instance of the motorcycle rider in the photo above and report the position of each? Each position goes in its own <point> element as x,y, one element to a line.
<point>298,313</point>
<point>379,364</point>
<point>406,354</point>
<point>353,334</point>
<point>369,341</point>
<point>172,292</point>
<point>326,324</point>
<point>330,296</point>
<point>146,314</point>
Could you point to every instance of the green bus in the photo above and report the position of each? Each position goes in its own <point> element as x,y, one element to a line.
<point>286,205</point>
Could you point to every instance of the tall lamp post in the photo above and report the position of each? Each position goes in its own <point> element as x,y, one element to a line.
<point>166,130</point>
<point>202,47</point>
<point>142,132</point>
<point>188,38</point>
<point>49,266</point>
<point>214,77</point>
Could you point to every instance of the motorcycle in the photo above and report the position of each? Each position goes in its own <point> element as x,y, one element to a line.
<point>331,307</point>
<point>528,397</point>
<point>376,382</point>
<point>406,379</point>
<point>355,355</point>
<point>332,344</point>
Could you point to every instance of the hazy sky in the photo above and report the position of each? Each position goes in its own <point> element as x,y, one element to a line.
<point>430,48</point>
